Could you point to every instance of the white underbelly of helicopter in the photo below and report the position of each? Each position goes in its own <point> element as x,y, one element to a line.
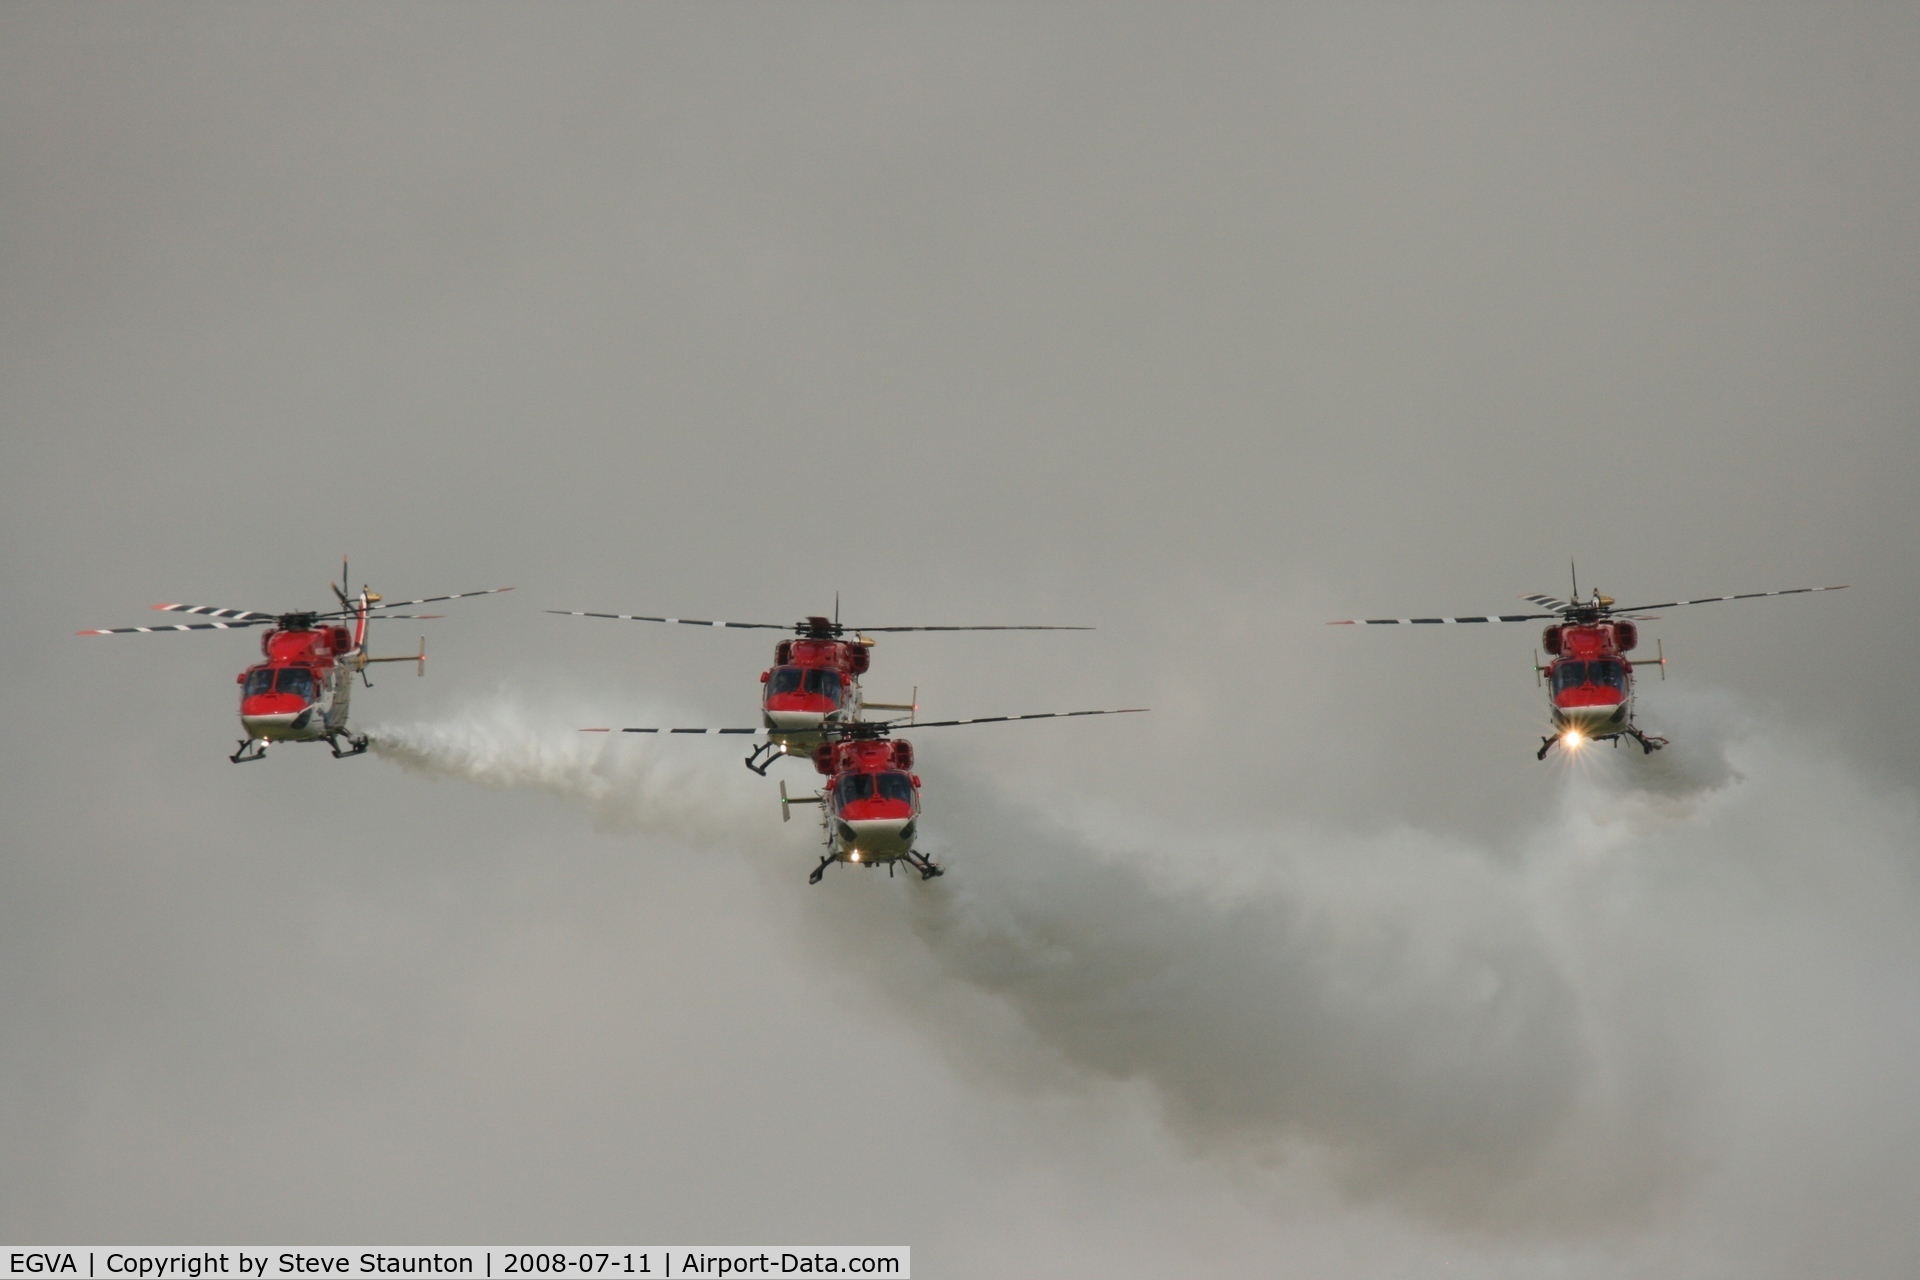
<point>294,726</point>
<point>874,840</point>
<point>796,731</point>
<point>1594,722</point>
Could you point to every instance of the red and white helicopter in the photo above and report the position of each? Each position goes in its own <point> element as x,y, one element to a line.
<point>870,806</point>
<point>300,693</point>
<point>815,678</point>
<point>1589,678</point>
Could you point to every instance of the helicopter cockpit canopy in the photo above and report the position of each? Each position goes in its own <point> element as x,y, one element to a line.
<point>822,682</point>
<point>1607,673</point>
<point>293,681</point>
<point>891,785</point>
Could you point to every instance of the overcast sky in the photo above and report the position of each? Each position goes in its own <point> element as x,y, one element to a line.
<point>1197,324</point>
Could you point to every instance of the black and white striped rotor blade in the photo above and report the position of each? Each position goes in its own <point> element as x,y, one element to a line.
<point>182,626</point>
<point>458,595</point>
<point>1748,595</point>
<point>857,629</point>
<point>1554,603</point>
<point>209,611</point>
<point>702,731</point>
<point>899,725</point>
<point>1409,622</point>
<point>685,622</point>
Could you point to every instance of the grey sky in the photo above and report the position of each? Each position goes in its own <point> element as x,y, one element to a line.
<point>1198,324</point>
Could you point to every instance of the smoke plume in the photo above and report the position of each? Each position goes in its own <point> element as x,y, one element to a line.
<point>532,742</point>
<point>1662,996</point>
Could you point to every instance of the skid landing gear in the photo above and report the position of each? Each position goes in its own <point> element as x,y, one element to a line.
<point>763,757</point>
<point>1648,743</point>
<point>927,868</point>
<point>356,745</point>
<point>250,749</point>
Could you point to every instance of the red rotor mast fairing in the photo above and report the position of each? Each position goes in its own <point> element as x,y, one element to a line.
<point>1589,678</point>
<point>815,678</point>
<point>300,693</point>
<point>870,806</point>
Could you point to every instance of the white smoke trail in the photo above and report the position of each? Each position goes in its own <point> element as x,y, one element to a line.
<point>533,742</point>
<point>1570,1035</point>
<point>1563,1035</point>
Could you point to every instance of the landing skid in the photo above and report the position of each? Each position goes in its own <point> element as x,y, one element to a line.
<point>252,749</point>
<point>763,757</point>
<point>1648,742</point>
<point>927,868</point>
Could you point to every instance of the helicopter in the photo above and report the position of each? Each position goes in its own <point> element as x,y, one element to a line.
<point>870,806</point>
<point>815,678</point>
<point>300,693</point>
<point>1589,678</point>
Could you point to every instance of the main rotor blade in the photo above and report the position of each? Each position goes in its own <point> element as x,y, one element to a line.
<point>458,595</point>
<point>846,729</point>
<point>1549,602</point>
<point>754,730</point>
<point>209,611</point>
<point>236,625</point>
<point>786,626</point>
<point>183,626</point>
<point>1037,715</point>
<point>1749,595</point>
<point>1402,622</point>
<point>685,622</point>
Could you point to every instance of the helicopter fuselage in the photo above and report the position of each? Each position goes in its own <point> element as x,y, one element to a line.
<point>815,681</point>
<point>1590,680</point>
<point>302,691</point>
<point>871,805</point>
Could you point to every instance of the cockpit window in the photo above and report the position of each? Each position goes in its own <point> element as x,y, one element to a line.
<point>1569,675</point>
<point>854,786</point>
<point>822,682</point>
<point>297,681</point>
<point>825,682</point>
<point>1608,672</point>
<point>895,786</point>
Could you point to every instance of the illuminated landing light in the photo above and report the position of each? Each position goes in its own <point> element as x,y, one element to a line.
<point>854,856</point>
<point>1573,740</point>
<point>783,748</point>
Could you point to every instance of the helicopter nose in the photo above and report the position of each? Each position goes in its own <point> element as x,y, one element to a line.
<point>789,720</point>
<point>877,839</point>
<point>1592,721</point>
<point>284,724</point>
